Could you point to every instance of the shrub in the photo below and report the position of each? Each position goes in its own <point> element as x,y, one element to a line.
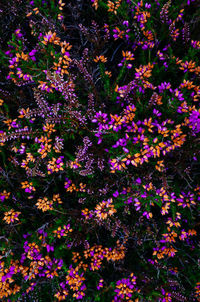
<point>99,148</point>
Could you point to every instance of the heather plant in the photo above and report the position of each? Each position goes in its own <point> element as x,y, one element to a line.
<point>99,150</point>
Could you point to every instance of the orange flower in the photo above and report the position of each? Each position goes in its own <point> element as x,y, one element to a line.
<point>61,4</point>
<point>95,4</point>
<point>101,59</point>
<point>113,7</point>
<point>160,166</point>
<point>56,198</point>
<point>51,38</point>
<point>44,204</point>
<point>49,128</point>
<point>128,55</point>
<point>36,10</point>
<point>11,216</point>
<point>108,73</point>
<point>105,209</point>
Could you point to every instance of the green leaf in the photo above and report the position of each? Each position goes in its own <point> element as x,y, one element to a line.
<point>158,202</point>
<point>173,209</point>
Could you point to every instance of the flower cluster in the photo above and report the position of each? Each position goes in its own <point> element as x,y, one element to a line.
<point>11,216</point>
<point>99,150</point>
<point>125,288</point>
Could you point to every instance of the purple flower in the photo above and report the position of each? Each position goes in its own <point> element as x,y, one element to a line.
<point>156,112</point>
<point>32,53</point>
<point>49,248</point>
<point>100,117</point>
<point>116,194</point>
<point>195,121</point>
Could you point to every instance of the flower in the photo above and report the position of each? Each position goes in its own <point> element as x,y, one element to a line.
<point>194,120</point>
<point>125,288</point>
<point>44,204</point>
<point>105,209</point>
<point>27,186</point>
<point>11,216</point>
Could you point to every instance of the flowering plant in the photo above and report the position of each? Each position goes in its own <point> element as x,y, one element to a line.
<point>99,151</point>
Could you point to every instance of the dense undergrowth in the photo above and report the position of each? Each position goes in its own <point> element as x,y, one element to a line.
<point>99,150</point>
